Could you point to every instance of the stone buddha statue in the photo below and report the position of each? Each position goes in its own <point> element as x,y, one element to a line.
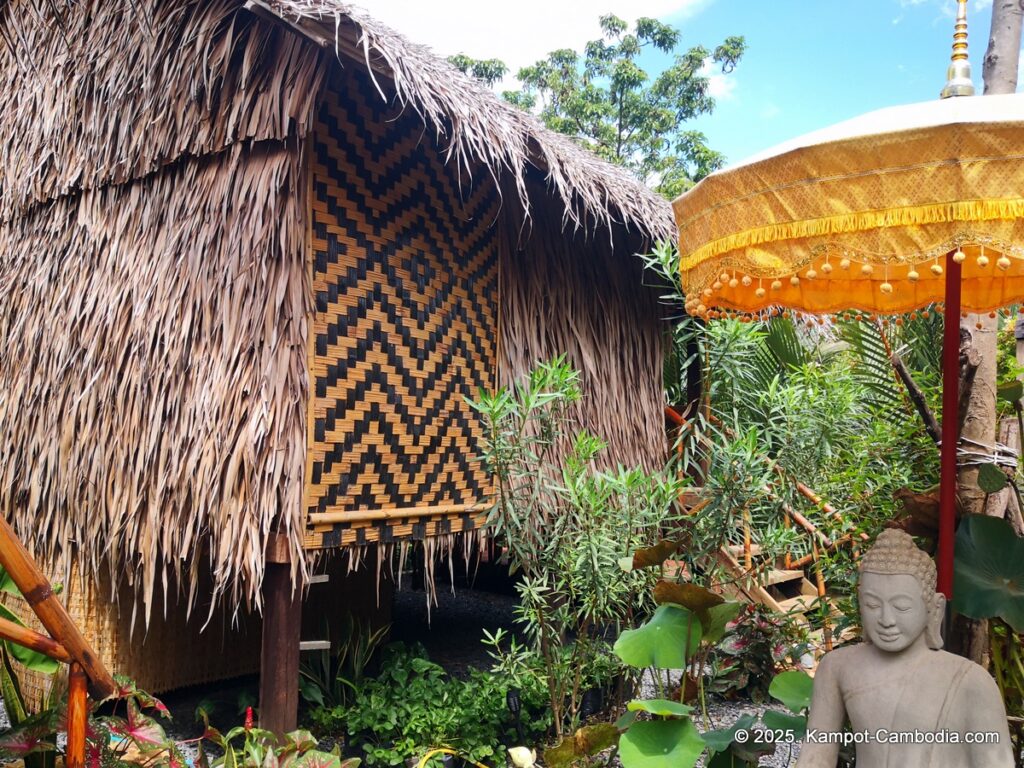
<point>909,704</point>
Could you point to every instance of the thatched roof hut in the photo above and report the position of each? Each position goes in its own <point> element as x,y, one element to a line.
<point>252,255</point>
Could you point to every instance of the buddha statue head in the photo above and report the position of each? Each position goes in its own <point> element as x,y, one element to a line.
<point>898,601</point>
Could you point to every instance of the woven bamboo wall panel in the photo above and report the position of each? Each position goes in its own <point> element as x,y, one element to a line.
<point>405,279</point>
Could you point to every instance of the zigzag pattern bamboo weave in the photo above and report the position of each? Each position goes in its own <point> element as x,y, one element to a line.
<point>405,279</point>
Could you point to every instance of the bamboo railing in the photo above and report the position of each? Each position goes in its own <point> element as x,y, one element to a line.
<point>87,675</point>
<point>820,543</point>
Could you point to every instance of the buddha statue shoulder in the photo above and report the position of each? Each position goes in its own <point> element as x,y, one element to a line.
<point>908,703</point>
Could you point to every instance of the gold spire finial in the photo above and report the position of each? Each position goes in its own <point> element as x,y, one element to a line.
<point>958,76</point>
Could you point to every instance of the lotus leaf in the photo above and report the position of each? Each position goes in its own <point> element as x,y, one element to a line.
<point>988,578</point>
<point>661,744</point>
<point>661,707</point>
<point>667,640</point>
<point>793,689</point>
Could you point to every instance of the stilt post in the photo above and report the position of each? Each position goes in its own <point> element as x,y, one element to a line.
<point>279,659</point>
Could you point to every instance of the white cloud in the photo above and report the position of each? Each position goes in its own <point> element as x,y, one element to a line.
<point>770,111</point>
<point>720,85</point>
<point>949,9</point>
<point>517,33</point>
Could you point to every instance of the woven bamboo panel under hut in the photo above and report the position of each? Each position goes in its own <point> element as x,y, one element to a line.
<point>253,257</point>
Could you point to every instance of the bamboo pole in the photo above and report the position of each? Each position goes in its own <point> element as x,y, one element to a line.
<point>788,559</point>
<point>51,613</point>
<point>78,713</point>
<point>819,577</point>
<point>824,506</point>
<point>327,518</point>
<point>29,638</point>
<point>806,560</point>
<point>748,559</point>
<point>807,525</point>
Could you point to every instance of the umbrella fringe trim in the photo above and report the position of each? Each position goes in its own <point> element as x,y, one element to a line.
<point>964,211</point>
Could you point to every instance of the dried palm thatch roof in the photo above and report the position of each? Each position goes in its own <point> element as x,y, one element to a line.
<point>154,295</point>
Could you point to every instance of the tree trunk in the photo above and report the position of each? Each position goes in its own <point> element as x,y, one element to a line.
<point>1005,503</point>
<point>979,416</point>
<point>1000,76</point>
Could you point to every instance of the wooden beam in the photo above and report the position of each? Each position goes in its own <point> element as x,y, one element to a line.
<point>78,715</point>
<point>51,613</point>
<point>29,638</point>
<point>279,658</point>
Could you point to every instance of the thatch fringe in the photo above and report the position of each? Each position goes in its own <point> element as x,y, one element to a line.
<point>152,397</point>
<point>391,559</point>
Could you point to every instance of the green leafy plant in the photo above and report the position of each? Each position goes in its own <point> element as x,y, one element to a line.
<point>565,526</point>
<point>988,577</point>
<point>988,583</point>
<point>327,679</point>
<point>414,706</point>
<point>131,734</point>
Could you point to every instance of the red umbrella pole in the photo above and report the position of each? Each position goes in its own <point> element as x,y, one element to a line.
<point>950,426</point>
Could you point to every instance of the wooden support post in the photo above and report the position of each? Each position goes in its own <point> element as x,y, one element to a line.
<point>78,714</point>
<point>279,659</point>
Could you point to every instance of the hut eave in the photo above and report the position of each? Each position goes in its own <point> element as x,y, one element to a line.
<point>476,124</point>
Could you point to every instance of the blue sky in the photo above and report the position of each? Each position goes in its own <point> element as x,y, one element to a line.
<point>809,63</point>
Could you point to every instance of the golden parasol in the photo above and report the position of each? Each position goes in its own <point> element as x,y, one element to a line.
<point>889,212</point>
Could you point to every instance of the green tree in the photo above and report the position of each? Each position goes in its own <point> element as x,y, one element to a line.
<point>607,101</point>
<point>489,71</point>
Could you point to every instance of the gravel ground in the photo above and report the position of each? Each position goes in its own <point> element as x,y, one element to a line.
<point>722,714</point>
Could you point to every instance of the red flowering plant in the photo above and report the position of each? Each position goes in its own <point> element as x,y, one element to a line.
<point>248,746</point>
<point>756,647</point>
<point>133,730</point>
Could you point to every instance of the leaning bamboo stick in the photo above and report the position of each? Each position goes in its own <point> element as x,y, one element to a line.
<point>788,562</point>
<point>807,525</point>
<point>33,640</point>
<point>39,595</point>
<point>824,506</point>
<point>78,713</point>
<point>826,622</point>
<point>806,560</point>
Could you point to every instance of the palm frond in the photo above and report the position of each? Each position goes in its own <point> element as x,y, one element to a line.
<point>872,368</point>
